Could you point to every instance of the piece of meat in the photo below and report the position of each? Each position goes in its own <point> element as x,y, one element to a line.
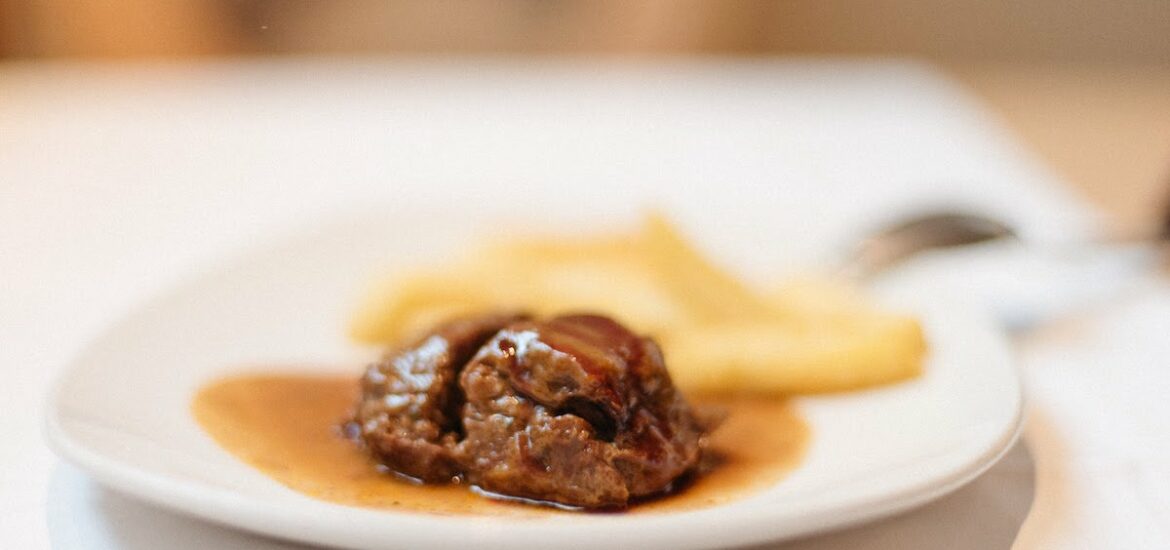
<point>409,411</point>
<point>575,410</point>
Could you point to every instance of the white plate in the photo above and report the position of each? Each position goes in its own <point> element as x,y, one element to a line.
<point>120,411</point>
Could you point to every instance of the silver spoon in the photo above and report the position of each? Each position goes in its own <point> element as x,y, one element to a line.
<point>905,239</point>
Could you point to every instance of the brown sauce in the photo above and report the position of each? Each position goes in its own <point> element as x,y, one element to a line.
<point>288,426</point>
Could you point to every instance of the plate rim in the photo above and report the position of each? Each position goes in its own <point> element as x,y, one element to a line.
<point>753,525</point>
<point>226,508</point>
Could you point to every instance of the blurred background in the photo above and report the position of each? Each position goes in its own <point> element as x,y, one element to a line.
<point>1085,83</point>
<point>1040,30</point>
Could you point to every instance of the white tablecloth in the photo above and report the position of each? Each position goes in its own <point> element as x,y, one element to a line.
<point>117,181</point>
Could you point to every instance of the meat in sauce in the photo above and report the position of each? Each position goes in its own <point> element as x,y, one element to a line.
<point>574,410</point>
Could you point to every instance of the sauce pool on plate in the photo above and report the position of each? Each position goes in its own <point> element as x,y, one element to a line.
<point>288,426</point>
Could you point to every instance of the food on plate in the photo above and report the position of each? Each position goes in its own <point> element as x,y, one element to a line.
<point>574,410</point>
<point>719,334</point>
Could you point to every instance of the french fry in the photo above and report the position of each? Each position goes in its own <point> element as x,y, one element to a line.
<point>776,358</point>
<point>705,289</point>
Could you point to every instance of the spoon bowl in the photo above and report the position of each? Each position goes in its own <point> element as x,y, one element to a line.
<point>933,230</point>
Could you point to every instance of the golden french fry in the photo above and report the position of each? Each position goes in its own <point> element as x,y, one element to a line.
<point>399,307</point>
<point>698,284</point>
<point>778,359</point>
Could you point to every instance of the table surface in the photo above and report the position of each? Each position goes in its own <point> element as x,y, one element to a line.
<point>1103,130</point>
